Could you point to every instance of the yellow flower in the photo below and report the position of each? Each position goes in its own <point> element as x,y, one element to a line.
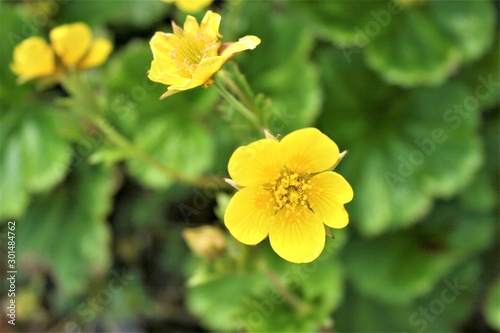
<point>75,46</point>
<point>190,6</point>
<point>72,46</point>
<point>288,192</point>
<point>188,58</point>
<point>33,58</point>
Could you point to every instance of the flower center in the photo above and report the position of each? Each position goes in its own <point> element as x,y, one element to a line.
<point>290,190</point>
<point>190,50</point>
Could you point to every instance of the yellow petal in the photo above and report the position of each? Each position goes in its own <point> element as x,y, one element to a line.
<point>328,193</point>
<point>169,92</point>
<point>71,42</point>
<point>191,25</point>
<point>97,55</point>
<point>243,44</point>
<point>162,46</point>
<point>249,214</point>
<point>308,151</point>
<point>206,69</point>
<point>209,26</point>
<point>298,237</point>
<point>255,164</point>
<point>162,72</point>
<point>33,58</point>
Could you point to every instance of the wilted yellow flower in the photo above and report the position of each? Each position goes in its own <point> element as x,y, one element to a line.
<point>288,191</point>
<point>33,58</point>
<point>188,58</point>
<point>75,46</point>
<point>190,6</point>
<point>206,241</point>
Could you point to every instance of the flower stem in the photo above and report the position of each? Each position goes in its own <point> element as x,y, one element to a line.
<point>86,106</point>
<point>242,109</point>
<point>290,297</point>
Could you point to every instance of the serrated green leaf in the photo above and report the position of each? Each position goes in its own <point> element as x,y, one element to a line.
<point>66,230</point>
<point>408,44</point>
<point>442,310</point>
<point>33,157</point>
<point>218,302</point>
<point>406,146</point>
<point>318,286</point>
<point>424,254</point>
<point>469,25</point>
<point>412,51</point>
<point>344,22</point>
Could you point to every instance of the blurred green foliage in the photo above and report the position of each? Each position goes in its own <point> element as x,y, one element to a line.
<point>410,88</point>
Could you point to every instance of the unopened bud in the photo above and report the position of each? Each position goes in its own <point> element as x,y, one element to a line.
<point>206,241</point>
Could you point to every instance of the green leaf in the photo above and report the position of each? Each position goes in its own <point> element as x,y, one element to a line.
<point>412,51</point>
<point>483,77</point>
<point>492,307</point>
<point>218,302</point>
<point>66,231</point>
<point>343,22</point>
<point>408,264</point>
<point>480,195</point>
<point>134,13</point>
<point>406,146</point>
<point>33,156</point>
<point>279,67</point>
<point>408,44</point>
<point>443,310</point>
<point>318,285</point>
<point>174,141</point>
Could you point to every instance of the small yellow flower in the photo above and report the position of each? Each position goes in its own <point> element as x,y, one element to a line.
<point>72,46</point>
<point>33,58</point>
<point>190,6</point>
<point>188,58</point>
<point>75,46</point>
<point>288,192</point>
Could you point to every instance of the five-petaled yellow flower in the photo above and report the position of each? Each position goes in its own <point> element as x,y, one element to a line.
<point>188,58</point>
<point>190,6</point>
<point>288,191</point>
<point>72,46</point>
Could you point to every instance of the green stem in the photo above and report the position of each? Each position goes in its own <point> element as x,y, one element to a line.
<point>242,109</point>
<point>88,108</point>
<point>290,297</point>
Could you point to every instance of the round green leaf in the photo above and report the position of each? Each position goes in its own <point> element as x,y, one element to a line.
<point>406,147</point>
<point>408,264</point>
<point>33,156</point>
<point>76,216</point>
